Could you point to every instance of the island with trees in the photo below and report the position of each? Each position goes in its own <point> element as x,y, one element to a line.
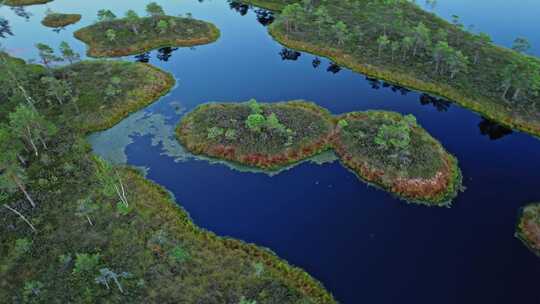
<point>55,20</point>
<point>397,41</point>
<point>383,148</point>
<point>393,152</point>
<point>24,2</point>
<point>528,227</point>
<point>133,34</point>
<point>92,232</point>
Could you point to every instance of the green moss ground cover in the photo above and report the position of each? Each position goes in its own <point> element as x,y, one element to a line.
<point>392,151</point>
<point>528,227</point>
<point>384,148</point>
<point>105,234</point>
<point>121,37</point>
<point>268,136</point>
<point>400,43</point>
<point>24,2</point>
<point>60,20</point>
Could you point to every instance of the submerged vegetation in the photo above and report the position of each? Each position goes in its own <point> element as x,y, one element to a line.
<point>399,42</point>
<point>528,227</point>
<point>112,36</point>
<point>55,20</point>
<point>383,148</point>
<point>75,229</point>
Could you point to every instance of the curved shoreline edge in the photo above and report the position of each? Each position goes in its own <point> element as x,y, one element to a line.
<point>396,77</point>
<point>438,190</point>
<point>294,276</point>
<point>85,35</point>
<point>528,227</point>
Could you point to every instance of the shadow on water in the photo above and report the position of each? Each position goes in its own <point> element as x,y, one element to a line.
<point>493,130</point>
<point>5,28</point>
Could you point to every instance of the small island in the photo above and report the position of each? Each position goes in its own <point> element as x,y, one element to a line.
<point>528,227</point>
<point>57,20</point>
<point>24,2</point>
<point>393,152</point>
<point>399,42</point>
<point>267,136</point>
<point>114,37</point>
<point>384,148</point>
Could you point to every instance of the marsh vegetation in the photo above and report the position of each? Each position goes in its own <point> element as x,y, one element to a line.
<point>132,34</point>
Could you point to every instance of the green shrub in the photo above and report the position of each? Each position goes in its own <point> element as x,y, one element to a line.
<point>123,209</point>
<point>255,107</point>
<point>343,123</point>
<point>394,137</point>
<point>255,122</point>
<point>215,132</point>
<point>230,134</point>
<point>22,246</point>
<point>32,289</point>
<point>86,263</point>
<point>273,123</point>
<point>178,254</point>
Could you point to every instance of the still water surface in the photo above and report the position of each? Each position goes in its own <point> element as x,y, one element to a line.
<point>362,243</point>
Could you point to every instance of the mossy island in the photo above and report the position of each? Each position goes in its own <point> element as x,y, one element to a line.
<point>69,225</point>
<point>399,42</point>
<point>528,227</point>
<point>24,2</point>
<point>57,20</point>
<point>113,37</point>
<point>267,136</point>
<point>393,152</point>
<point>383,148</point>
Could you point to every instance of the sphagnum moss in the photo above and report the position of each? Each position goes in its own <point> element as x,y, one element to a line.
<point>288,132</point>
<point>186,32</point>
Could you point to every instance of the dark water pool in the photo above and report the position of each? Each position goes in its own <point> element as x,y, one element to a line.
<point>362,243</point>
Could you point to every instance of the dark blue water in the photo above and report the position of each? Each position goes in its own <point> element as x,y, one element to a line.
<point>362,243</point>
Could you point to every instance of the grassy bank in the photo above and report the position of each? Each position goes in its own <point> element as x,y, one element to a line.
<point>121,37</point>
<point>382,148</point>
<point>528,227</point>
<point>405,45</point>
<point>24,2</point>
<point>96,243</point>
<point>60,20</point>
